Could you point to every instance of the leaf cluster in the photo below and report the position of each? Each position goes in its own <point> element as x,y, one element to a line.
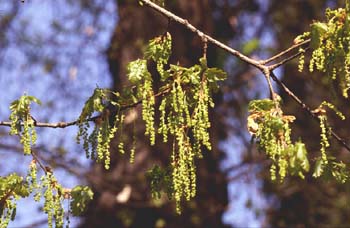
<point>330,43</point>
<point>267,123</point>
<point>161,181</point>
<point>184,110</point>
<point>12,188</point>
<point>338,170</point>
<point>54,194</point>
<point>271,127</point>
<point>97,143</point>
<point>81,196</point>
<point>22,123</point>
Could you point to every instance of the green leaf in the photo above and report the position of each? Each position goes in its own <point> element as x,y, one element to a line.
<point>302,155</point>
<point>34,99</point>
<point>81,196</point>
<point>215,74</point>
<point>318,30</point>
<point>319,167</point>
<point>159,49</point>
<point>94,103</point>
<point>260,105</point>
<point>203,62</point>
<point>12,187</point>
<point>137,71</point>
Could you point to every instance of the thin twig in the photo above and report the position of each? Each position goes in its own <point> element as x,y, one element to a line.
<point>307,109</point>
<point>266,73</point>
<point>267,70</point>
<point>201,34</point>
<point>5,197</point>
<point>49,125</point>
<point>282,53</point>
<point>282,62</point>
<point>205,47</point>
<point>35,157</point>
<point>75,122</point>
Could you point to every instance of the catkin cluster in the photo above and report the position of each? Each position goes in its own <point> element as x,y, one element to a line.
<point>53,197</point>
<point>326,162</point>
<point>267,123</point>
<point>330,44</point>
<point>97,143</point>
<point>184,111</point>
<point>22,123</point>
<point>12,188</point>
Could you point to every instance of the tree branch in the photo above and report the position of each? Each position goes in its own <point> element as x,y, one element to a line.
<point>307,109</point>
<point>92,119</point>
<point>284,61</point>
<point>282,53</point>
<point>260,64</point>
<point>201,34</point>
<point>266,70</point>
<point>257,64</point>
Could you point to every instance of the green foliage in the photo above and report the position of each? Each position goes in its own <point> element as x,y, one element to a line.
<point>137,71</point>
<point>160,181</point>
<point>331,47</point>
<point>133,148</point>
<point>184,116</point>
<point>324,139</point>
<point>267,123</point>
<point>81,196</point>
<point>298,162</point>
<point>12,188</point>
<point>333,169</point>
<point>92,105</point>
<point>340,171</point>
<point>159,50</point>
<point>97,144</point>
<point>22,123</point>
<point>186,98</point>
<point>31,178</point>
<point>139,76</point>
<point>53,197</point>
<point>51,190</point>
<point>325,135</point>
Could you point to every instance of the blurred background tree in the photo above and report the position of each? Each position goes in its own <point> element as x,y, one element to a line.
<point>58,51</point>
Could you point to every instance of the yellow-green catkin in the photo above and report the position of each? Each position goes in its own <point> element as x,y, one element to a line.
<point>272,129</point>
<point>330,44</point>
<point>148,103</point>
<point>133,147</point>
<point>53,200</point>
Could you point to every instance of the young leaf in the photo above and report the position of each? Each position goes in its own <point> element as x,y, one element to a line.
<point>81,196</point>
